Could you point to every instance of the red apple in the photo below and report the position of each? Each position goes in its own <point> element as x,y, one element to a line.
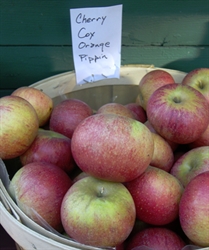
<point>112,147</point>
<point>163,156</point>
<point>115,108</point>
<point>199,79</point>
<point>156,194</point>
<point>203,140</point>
<point>194,210</point>
<point>120,246</point>
<point>173,145</point>
<point>41,102</point>
<point>156,238</point>
<point>19,126</point>
<point>178,113</point>
<point>139,112</point>
<point>39,188</point>
<point>190,164</point>
<point>98,213</point>
<point>150,82</point>
<point>52,147</point>
<point>150,127</point>
<point>138,226</point>
<point>67,115</point>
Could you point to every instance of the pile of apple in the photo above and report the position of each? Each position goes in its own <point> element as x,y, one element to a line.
<point>124,176</point>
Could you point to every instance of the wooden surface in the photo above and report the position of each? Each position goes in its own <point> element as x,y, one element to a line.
<point>35,36</point>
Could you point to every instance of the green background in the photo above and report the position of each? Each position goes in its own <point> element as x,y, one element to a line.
<point>35,36</point>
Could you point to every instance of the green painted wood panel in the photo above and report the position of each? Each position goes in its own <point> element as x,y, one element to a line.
<point>35,36</point>
<point>147,22</point>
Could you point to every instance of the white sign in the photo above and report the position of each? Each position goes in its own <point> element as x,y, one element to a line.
<point>96,41</point>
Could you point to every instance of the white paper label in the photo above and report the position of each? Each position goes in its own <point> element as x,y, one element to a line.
<point>96,40</point>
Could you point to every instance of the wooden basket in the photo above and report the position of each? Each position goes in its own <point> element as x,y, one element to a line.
<point>26,233</point>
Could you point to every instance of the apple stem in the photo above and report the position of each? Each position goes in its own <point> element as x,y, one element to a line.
<point>101,192</point>
<point>201,85</point>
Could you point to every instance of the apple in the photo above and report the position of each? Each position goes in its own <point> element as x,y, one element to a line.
<point>173,145</point>
<point>150,127</point>
<point>39,187</point>
<point>67,114</point>
<point>116,108</point>
<point>98,213</point>
<point>158,238</point>
<point>199,79</point>
<point>150,82</point>
<point>138,226</point>
<point>156,194</point>
<point>178,113</point>
<point>139,112</point>
<point>41,102</point>
<point>79,176</point>
<point>190,164</point>
<point>121,246</point>
<point>203,140</point>
<point>52,147</point>
<point>19,126</point>
<point>138,100</point>
<point>163,156</point>
<point>112,147</point>
<point>194,210</point>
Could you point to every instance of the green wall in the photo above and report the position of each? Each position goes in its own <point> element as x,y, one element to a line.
<point>35,36</point>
